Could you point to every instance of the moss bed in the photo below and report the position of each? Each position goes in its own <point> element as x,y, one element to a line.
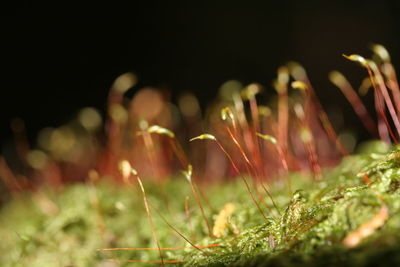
<point>68,227</point>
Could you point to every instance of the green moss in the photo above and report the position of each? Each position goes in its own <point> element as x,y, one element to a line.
<point>309,231</point>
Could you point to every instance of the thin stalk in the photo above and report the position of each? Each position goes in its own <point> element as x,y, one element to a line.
<point>203,196</point>
<point>393,84</point>
<point>386,96</point>
<point>283,159</point>
<point>188,176</point>
<point>141,261</point>
<point>305,229</point>
<point>307,138</point>
<point>256,128</point>
<point>380,105</point>
<point>384,130</point>
<point>298,226</point>
<point>266,190</point>
<point>148,142</point>
<point>150,219</point>
<point>325,119</point>
<point>313,159</point>
<point>227,113</point>
<point>181,155</point>
<point>177,149</point>
<point>201,208</point>
<point>248,164</point>
<point>161,216</point>
<point>243,178</point>
<point>171,248</point>
<point>237,100</point>
<point>283,120</point>
<point>243,124</point>
<point>379,102</point>
<point>281,86</point>
<point>179,233</point>
<point>188,217</point>
<point>341,82</point>
<point>179,152</point>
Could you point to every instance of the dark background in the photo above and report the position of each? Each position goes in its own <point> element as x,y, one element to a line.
<point>52,66</point>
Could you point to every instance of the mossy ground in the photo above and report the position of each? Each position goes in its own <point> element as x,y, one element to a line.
<point>334,207</point>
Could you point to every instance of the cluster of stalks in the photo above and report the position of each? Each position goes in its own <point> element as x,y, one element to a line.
<point>256,143</point>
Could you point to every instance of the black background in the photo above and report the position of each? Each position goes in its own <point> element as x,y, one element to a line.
<point>53,65</point>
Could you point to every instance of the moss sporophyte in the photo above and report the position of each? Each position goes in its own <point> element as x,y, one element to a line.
<point>266,185</point>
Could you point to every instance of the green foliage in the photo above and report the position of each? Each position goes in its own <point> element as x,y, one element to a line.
<point>310,230</point>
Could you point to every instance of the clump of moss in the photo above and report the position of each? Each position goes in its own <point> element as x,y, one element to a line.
<point>309,230</point>
<point>319,216</point>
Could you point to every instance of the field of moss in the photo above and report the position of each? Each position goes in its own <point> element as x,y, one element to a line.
<point>68,227</point>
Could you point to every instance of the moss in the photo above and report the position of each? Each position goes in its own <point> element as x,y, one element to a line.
<point>309,230</point>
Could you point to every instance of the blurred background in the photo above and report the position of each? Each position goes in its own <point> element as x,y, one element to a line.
<point>52,67</point>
